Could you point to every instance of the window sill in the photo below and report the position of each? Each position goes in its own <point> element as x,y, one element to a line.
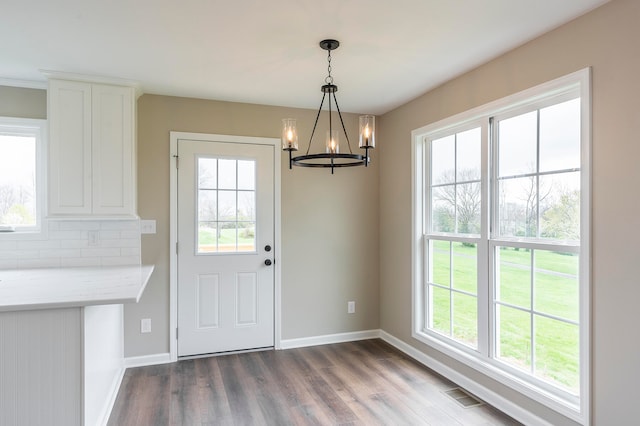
<point>490,368</point>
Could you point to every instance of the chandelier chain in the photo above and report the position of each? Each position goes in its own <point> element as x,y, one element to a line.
<point>329,78</point>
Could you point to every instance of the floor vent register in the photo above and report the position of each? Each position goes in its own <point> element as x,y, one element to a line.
<point>463,397</point>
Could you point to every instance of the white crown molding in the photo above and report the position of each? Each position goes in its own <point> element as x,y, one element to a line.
<point>26,84</point>
<point>88,78</point>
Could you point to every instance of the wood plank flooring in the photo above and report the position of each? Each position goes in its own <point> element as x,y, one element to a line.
<point>357,383</point>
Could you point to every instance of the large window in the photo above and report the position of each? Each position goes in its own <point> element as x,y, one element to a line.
<point>21,175</point>
<point>501,240</point>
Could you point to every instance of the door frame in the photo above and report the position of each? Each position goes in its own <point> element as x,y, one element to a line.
<point>173,227</point>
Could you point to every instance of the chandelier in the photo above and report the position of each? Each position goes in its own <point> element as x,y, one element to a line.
<point>331,157</point>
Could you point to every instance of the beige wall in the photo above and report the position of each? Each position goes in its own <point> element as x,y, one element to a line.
<point>325,264</point>
<point>23,103</point>
<point>607,40</point>
<point>329,223</point>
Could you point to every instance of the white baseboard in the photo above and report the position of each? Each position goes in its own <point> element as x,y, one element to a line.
<point>485,394</point>
<point>111,400</point>
<point>145,360</point>
<point>328,339</point>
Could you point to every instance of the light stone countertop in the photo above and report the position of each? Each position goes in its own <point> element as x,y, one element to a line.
<point>50,288</point>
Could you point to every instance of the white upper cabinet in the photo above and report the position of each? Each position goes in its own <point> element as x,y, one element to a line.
<point>112,145</point>
<point>69,117</point>
<point>91,149</point>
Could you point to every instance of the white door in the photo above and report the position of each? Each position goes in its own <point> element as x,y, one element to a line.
<point>225,246</point>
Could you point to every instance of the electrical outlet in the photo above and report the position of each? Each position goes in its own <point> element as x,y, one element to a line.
<point>351,307</point>
<point>145,325</point>
<point>94,238</point>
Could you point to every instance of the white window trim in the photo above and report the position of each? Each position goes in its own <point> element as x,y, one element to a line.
<point>480,360</point>
<point>38,126</point>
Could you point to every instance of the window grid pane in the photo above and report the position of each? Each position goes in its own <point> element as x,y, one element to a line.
<point>226,206</point>
<point>464,318</point>
<point>18,181</point>
<point>455,209</point>
<point>538,173</point>
<point>453,304</point>
<point>557,352</point>
<point>537,313</point>
<point>455,183</point>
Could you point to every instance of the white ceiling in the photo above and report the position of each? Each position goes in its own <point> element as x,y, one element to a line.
<point>267,52</point>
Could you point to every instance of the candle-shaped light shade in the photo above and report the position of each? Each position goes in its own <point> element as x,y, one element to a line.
<point>289,134</point>
<point>367,131</point>
<point>333,142</point>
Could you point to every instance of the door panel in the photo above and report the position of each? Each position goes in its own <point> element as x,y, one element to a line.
<point>208,297</point>
<point>225,219</point>
<point>246,299</point>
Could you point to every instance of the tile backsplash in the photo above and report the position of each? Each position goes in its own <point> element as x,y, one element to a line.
<point>69,243</point>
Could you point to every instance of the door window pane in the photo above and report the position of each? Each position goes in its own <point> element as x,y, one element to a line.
<point>227,178</point>
<point>207,205</point>
<point>246,236</point>
<point>226,213</point>
<point>246,205</point>
<point>246,174</point>
<point>207,237</point>
<point>207,173</point>
<point>227,236</point>
<point>227,205</point>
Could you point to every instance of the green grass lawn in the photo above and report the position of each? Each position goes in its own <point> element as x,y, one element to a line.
<point>555,292</point>
<point>207,237</point>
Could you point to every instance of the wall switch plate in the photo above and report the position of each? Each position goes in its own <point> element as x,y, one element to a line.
<point>94,238</point>
<point>148,226</point>
<point>351,307</point>
<point>145,325</point>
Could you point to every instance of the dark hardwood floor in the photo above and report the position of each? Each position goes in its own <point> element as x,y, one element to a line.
<point>358,383</point>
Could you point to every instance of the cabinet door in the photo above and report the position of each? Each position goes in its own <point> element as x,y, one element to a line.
<point>69,147</point>
<point>113,150</point>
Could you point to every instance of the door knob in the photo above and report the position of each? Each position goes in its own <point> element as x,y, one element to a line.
<point>268,262</point>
